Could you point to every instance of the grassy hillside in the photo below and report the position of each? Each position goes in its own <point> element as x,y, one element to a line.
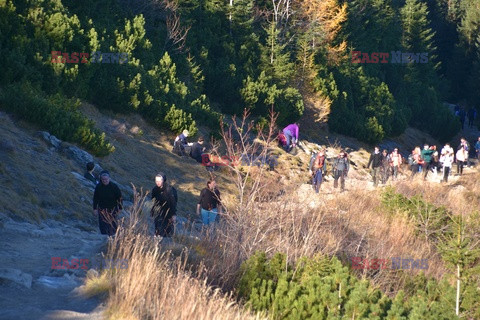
<point>362,222</point>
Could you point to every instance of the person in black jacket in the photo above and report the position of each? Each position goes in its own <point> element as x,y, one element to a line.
<point>89,174</point>
<point>181,146</point>
<point>209,204</point>
<point>375,160</point>
<point>341,166</point>
<point>107,203</point>
<point>198,149</point>
<point>164,208</point>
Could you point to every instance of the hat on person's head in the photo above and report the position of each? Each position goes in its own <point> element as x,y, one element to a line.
<point>161,175</point>
<point>200,139</point>
<point>104,173</point>
<point>185,133</point>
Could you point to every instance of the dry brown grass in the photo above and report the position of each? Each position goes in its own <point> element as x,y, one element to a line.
<point>36,182</point>
<point>300,223</point>
<point>157,285</point>
<point>138,158</point>
<point>349,225</point>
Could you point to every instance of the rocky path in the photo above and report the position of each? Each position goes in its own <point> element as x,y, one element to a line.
<point>29,287</point>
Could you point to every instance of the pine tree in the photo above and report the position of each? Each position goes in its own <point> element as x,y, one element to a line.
<point>459,252</point>
<point>275,59</point>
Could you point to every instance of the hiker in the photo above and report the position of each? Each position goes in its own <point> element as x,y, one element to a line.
<point>426,155</point>
<point>385,168</point>
<point>340,170</point>
<point>435,162</point>
<point>395,162</point>
<point>209,204</point>
<point>376,162</point>
<point>466,147</point>
<point>181,146</point>
<point>446,159</point>
<point>164,207</point>
<point>89,174</point>
<point>107,204</point>
<point>477,148</point>
<point>291,134</point>
<point>317,166</point>
<point>282,140</point>
<point>415,161</point>
<point>461,158</point>
<point>198,148</point>
<point>471,115</point>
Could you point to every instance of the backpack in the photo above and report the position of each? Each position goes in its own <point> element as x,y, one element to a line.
<point>411,160</point>
<point>312,159</point>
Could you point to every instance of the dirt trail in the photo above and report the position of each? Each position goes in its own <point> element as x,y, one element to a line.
<point>34,290</point>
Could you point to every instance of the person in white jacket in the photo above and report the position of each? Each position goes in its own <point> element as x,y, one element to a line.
<point>461,157</point>
<point>447,160</point>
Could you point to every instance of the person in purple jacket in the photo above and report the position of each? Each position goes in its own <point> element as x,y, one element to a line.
<point>291,133</point>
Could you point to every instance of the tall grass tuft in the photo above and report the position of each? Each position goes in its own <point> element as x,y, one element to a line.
<point>157,285</point>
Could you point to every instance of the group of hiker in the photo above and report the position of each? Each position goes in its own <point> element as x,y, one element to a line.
<point>182,147</point>
<point>107,199</point>
<point>318,169</point>
<point>385,165</point>
<point>108,203</point>
<point>429,159</point>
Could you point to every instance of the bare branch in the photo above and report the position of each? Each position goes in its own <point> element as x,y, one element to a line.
<point>176,34</point>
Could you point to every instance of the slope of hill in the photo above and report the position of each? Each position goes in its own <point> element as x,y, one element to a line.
<point>46,209</point>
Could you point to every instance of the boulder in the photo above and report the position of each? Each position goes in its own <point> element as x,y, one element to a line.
<point>50,139</point>
<point>78,155</point>
<point>16,276</point>
<point>86,183</point>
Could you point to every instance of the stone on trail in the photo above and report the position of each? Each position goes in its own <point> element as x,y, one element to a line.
<point>16,276</point>
<point>57,282</point>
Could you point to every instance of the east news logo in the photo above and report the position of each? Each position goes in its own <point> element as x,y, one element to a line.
<point>396,57</point>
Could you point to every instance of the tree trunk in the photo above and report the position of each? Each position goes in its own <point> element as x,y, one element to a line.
<point>458,290</point>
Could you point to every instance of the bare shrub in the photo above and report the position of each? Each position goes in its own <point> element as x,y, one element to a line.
<point>156,285</point>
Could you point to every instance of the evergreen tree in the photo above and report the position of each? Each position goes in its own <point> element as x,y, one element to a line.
<point>461,254</point>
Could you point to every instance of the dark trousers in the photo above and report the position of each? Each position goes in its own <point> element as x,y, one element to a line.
<point>339,175</point>
<point>395,172</point>
<point>446,173</point>
<point>317,180</point>
<point>415,169</point>
<point>460,166</point>
<point>426,167</point>
<point>107,221</point>
<point>163,227</point>
<point>375,175</point>
<point>386,172</point>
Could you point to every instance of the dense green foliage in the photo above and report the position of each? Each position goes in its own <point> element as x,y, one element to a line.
<point>454,236</point>
<point>430,221</point>
<point>57,115</point>
<point>186,56</point>
<point>321,288</point>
